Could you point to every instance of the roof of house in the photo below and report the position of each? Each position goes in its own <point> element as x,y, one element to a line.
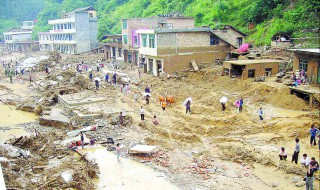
<point>84,9</point>
<point>218,33</point>
<point>314,51</point>
<point>255,61</point>
<point>233,28</point>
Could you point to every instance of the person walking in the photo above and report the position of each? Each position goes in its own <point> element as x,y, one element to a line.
<point>296,152</point>
<point>97,84</point>
<point>142,113</point>
<point>313,132</point>
<point>82,140</point>
<point>115,78</point>
<point>309,179</point>
<point>90,76</point>
<point>118,149</point>
<point>261,114</point>
<point>107,78</point>
<point>240,104</point>
<point>30,78</point>
<point>139,72</point>
<point>121,119</point>
<point>188,106</point>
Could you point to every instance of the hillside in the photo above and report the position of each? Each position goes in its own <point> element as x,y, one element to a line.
<point>269,16</point>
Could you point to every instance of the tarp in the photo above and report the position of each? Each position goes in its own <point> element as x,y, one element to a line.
<point>223,100</point>
<point>188,99</point>
<point>243,48</point>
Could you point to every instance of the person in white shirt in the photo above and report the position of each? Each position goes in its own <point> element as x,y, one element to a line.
<point>283,154</point>
<point>142,113</point>
<point>305,160</point>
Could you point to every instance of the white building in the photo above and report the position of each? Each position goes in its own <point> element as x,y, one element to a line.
<point>45,41</point>
<point>28,25</point>
<point>76,32</point>
<point>18,40</point>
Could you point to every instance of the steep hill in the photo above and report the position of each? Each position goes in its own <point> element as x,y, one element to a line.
<point>297,17</point>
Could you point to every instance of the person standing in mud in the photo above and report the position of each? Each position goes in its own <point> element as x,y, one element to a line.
<point>121,119</point>
<point>240,104</point>
<point>97,84</point>
<point>309,179</point>
<point>296,152</point>
<point>115,78</point>
<point>223,106</point>
<point>139,72</point>
<point>313,132</point>
<point>90,76</point>
<point>261,114</point>
<point>107,78</point>
<point>142,113</point>
<point>188,107</point>
<point>82,140</point>
<point>118,149</point>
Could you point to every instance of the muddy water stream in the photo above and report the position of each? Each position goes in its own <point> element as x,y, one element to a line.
<point>126,174</point>
<point>9,117</point>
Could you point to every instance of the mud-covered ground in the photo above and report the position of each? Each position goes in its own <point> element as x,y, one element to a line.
<point>210,148</point>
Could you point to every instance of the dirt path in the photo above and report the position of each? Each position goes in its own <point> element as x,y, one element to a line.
<point>127,174</point>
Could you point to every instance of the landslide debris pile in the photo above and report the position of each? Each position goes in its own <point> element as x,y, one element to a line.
<point>49,165</point>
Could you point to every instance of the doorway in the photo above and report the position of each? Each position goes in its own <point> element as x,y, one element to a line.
<point>251,73</point>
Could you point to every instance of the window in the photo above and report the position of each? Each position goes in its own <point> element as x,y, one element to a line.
<point>303,64</point>
<point>214,40</point>
<point>120,52</point>
<point>135,40</point>
<point>125,39</point>
<point>65,26</point>
<point>151,41</point>
<point>124,24</point>
<point>251,73</point>
<point>90,14</point>
<point>69,26</point>
<point>144,40</point>
<point>239,40</point>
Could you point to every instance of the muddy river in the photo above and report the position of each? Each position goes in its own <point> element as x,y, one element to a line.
<point>9,117</point>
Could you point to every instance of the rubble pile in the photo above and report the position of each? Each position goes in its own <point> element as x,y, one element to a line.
<point>43,163</point>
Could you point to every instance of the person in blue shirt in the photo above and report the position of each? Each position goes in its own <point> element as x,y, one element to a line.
<point>90,76</point>
<point>260,114</point>
<point>313,132</point>
<point>107,78</point>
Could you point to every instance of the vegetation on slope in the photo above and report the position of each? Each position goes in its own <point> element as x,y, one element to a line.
<point>269,16</point>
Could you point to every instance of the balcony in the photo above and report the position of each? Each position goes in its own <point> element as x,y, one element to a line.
<point>62,21</point>
<point>63,31</point>
<point>64,42</point>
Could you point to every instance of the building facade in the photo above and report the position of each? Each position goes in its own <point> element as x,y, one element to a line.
<point>245,69</point>
<point>113,48</point>
<point>45,41</point>
<point>28,25</point>
<point>171,50</point>
<point>308,60</point>
<point>18,40</point>
<point>131,39</point>
<point>75,32</point>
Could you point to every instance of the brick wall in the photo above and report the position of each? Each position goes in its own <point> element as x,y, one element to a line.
<point>172,43</point>
<point>260,69</point>
<point>230,35</point>
<point>181,22</point>
<point>175,63</point>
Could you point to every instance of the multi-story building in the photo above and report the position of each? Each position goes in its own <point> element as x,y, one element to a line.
<point>131,40</point>
<point>75,32</point>
<point>28,25</point>
<point>169,49</point>
<point>18,40</point>
<point>45,41</point>
<point>113,47</point>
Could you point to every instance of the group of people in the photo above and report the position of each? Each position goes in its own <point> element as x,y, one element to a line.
<point>311,165</point>
<point>299,79</point>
